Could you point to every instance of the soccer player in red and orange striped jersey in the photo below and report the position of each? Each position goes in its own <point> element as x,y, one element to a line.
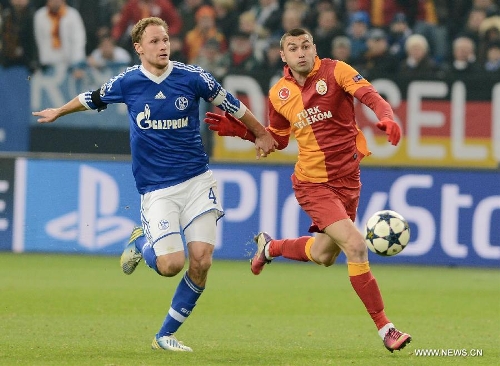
<point>314,100</point>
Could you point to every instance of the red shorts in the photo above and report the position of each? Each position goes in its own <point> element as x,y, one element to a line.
<point>328,202</point>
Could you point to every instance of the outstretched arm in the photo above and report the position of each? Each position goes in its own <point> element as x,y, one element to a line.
<point>371,98</point>
<point>228,125</point>
<point>264,142</point>
<point>248,129</point>
<point>51,114</point>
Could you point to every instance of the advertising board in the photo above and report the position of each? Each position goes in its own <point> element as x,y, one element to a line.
<point>91,207</point>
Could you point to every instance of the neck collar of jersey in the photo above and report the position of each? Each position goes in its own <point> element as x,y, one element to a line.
<point>158,79</point>
<point>288,73</point>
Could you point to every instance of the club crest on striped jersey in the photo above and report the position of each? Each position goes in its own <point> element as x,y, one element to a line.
<point>321,87</point>
<point>284,93</point>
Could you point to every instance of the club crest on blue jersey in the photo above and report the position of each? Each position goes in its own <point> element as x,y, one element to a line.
<point>181,103</point>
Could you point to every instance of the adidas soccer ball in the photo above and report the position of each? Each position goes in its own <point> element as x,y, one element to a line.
<point>387,233</point>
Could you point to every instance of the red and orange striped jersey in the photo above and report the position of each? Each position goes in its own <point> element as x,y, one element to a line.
<point>320,114</point>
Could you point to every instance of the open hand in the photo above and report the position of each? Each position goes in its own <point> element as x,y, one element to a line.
<point>47,115</point>
<point>392,130</point>
<point>226,125</point>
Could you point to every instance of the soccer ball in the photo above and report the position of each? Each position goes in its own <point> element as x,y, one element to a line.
<point>387,233</point>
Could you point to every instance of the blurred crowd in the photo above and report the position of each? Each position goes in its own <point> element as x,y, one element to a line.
<point>405,38</point>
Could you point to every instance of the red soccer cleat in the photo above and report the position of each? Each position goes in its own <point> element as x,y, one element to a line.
<point>395,340</point>
<point>259,260</point>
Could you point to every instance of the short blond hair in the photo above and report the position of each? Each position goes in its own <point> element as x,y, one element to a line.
<point>139,27</point>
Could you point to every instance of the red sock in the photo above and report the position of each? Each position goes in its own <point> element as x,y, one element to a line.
<point>290,248</point>
<point>367,289</point>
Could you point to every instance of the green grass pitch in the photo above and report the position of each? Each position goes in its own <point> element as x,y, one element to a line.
<point>81,310</point>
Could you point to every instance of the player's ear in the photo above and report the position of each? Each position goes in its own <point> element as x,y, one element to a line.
<point>138,48</point>
<point>282,54</point>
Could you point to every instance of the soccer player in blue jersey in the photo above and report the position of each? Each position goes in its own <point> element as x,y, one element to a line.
<point>170,166</point>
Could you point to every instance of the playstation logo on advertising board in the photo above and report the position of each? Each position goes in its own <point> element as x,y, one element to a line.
<point>95,224</point>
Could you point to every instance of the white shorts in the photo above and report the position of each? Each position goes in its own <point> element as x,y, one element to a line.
<point>168,212</point>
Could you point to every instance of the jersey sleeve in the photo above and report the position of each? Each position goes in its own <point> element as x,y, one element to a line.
<point>212,92</point>
<point>109,93</point>
<point>371,98</point>
<point>348,78</point>
<point>279,126</point>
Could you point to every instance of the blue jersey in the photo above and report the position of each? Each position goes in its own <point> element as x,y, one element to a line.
<point>164,120</point>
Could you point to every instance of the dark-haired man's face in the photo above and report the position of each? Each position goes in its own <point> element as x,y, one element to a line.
<point>299,53</point>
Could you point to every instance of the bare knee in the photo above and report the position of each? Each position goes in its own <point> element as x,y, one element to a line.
<point>330,260</point>
<point>200,261</point>
<point>346,236</point>
<point>327,259</point>
<point>324,251</point>
<point>198,269</point>
<point>356,251</point>
<point>169,266</point>
<point>202,264</point>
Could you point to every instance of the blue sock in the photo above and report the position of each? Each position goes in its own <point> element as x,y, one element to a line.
<point>140,242</point>
<point>182,305</point>
<point>149,255</point>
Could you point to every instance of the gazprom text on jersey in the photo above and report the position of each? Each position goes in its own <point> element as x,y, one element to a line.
<point>163,124</point>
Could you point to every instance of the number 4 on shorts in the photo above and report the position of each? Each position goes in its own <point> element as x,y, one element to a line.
<point>211,195</point>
